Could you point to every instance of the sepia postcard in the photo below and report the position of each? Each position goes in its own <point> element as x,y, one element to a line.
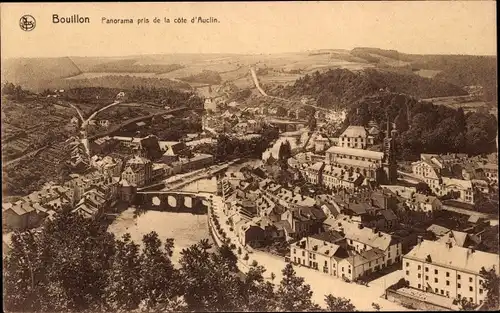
<point>292,156</point>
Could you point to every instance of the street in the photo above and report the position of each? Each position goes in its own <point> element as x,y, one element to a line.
<point>321,284</point>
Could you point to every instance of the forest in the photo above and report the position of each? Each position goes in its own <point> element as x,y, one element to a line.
<point>427,128</point>
<point>117,82</point>
<point>338,88</point>
<point>460,70</point>
<point>132,66</point>
<point>89,270</point>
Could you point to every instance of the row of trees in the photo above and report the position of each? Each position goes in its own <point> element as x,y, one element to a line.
<point>74,264</point>
<point>14,91</point>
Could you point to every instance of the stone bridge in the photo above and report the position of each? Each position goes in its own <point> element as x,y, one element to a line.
<point>171,201</point>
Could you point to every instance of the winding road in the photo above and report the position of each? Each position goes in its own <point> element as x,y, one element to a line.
<point>85,122</point>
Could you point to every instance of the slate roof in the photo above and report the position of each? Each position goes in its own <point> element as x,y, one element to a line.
<point>454,257</point>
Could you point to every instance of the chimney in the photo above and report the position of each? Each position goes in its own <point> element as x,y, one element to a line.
<point>380,234</point>
<point>449,244</point>
<point>471,249</point>
<point>341,231</point>
<point>419,240</point>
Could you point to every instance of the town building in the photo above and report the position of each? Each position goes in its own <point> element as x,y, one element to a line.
<point>365,162</point>
<point>355,137</point>
<point>422,203</point>
<point>138,171</point>
<point>361,239</point>
<point>448,270</point>
<point>336,177</point>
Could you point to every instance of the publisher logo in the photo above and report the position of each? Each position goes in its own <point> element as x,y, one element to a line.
<point>27,23</point>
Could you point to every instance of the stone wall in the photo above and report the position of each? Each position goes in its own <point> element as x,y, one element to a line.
<point>405,300</point>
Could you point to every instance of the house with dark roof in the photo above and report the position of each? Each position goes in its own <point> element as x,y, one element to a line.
<point>20,216</point>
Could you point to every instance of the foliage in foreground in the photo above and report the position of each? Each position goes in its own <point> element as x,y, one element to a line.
<point>73,264</point>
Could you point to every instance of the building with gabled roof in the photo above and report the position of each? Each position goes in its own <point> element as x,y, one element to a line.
<point>449,270</point>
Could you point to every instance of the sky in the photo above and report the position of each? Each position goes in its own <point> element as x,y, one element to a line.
<point>442,27</point>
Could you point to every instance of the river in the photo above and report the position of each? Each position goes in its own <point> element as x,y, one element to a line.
<point>185,228</point>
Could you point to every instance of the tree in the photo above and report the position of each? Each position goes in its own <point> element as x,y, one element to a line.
<point>423,188</point>
<point>285,151</point>
<point>335,304</point>
<point>466,305</point>
<point>312,123</point>
<point>293,295</point>
<point>491,285</point>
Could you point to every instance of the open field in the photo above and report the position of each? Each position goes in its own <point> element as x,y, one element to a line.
<point>94,75</point>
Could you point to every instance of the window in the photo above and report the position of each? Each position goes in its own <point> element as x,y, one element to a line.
<point>447,283</point>
<point>303,253</point>
<point>310,263</point>
<point>426,269</point>
<point>480,291</point>
<point>314,256</point>
<point>426,277</point>
<point>459,296</point>
<point>447,293</point>
<point>458,276</point>
<point>471,300</point>
<point>342,268</point>
<point>419,275</point>
<point>419,286</point>
<point>407,273</point>
<point>349,271</point>
<point>364,247</point>
<point>294,251</point>
<point>470,279</point>
<point>326,263</point>
<point>351,241</point>
<point>447,274</point>
<point>436,290</point>
<point>407,264</point>
<point>435,280</point>
<point>419,267</point>
<point>470,288</point>
<point>459,285</point>
<point>435,272</point>
<point>295,259</point>
<point>442,291</point>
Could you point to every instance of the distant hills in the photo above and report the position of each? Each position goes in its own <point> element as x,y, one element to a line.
<point>340,87</point>
<point>35,73</point>
<point>417,75</point>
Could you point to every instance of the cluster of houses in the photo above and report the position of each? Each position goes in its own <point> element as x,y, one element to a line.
<point>154,158</point>
<point>355,232</point>
<point>456,175</point>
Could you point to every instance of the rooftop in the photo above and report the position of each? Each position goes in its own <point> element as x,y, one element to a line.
<point>454,257</point>
<point>356,152</point>
<point>354,131</point>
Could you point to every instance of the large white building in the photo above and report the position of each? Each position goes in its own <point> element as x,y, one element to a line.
<point>448,270</point>
<point>355,137</point>
<point>360,161</point>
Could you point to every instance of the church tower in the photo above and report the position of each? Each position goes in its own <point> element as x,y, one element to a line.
<point>390,163</point>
